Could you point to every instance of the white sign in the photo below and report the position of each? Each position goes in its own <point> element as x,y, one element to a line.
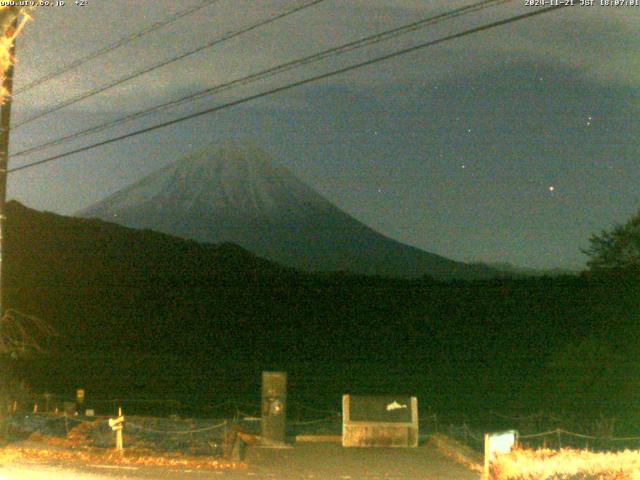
<point>502,442</point>
<point>116,423</point>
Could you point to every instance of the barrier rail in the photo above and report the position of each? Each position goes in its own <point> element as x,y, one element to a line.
<point>178,432</point>
<point>310,415</point>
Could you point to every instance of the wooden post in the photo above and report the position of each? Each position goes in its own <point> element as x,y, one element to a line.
<point>487,459</point>
<point>119,446</point>
<point>116,425</point>
<point>346,417</point>
<point>226,434</point>
<point>5,121</point>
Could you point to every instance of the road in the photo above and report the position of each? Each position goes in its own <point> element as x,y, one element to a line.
<point>302,462</point>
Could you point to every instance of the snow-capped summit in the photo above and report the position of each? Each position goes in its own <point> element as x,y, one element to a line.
<point>230,176</point>
<point>232,192</point>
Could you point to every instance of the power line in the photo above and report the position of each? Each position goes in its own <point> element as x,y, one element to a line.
<point>296,84</point>
<point>123,41</point>
<point>270,72</point>
<point>216,41</point>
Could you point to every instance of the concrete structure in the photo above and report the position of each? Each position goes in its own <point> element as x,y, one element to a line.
<point>274,408</point>
<point>379,421</point>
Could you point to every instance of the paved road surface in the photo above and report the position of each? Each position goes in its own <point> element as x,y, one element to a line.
<point>303,462</point>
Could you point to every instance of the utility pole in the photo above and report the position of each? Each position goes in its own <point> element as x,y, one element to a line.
<point>5,122</point>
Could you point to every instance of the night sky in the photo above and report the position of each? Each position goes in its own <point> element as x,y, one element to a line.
<point>510,145</point>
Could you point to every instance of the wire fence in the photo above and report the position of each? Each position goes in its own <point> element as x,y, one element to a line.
<point>178,432</point>
<point>150,417</point>
<point>597,435</point>
<point>218,420</point>
<point>161,407</point>
<point>188,436</point>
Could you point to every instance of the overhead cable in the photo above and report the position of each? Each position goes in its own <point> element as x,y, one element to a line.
<point>270,72</point>
<point>216,41</point>
<point>295,84</point>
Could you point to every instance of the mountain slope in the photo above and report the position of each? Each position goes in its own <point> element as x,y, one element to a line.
<point>232,193</point>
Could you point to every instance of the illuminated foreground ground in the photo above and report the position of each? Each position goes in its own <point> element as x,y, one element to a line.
<point>309,461</point>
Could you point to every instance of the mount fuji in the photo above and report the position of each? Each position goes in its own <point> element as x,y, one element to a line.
<point>232,192</point>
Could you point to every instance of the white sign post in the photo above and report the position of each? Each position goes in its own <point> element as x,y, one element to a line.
<point>494,444</point>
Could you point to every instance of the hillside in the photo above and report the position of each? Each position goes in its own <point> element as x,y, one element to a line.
<point>142,313</point>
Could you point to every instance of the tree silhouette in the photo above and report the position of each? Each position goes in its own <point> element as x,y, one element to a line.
<point>22,334</point>
<point>616,249</point>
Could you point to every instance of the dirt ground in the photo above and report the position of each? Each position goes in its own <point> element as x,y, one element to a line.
<point>303,461</point>
<point>332,461</point>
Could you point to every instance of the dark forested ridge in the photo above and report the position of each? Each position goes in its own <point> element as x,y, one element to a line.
<point>148,314</point>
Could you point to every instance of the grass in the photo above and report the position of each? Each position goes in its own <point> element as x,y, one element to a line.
<point>566,464</point>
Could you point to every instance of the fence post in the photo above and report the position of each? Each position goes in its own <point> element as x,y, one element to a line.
<point>559,438</point>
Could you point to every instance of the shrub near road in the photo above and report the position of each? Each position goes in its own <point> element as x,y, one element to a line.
<point>567,464</point>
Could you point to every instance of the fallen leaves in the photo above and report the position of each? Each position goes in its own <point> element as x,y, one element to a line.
<point>58,450</point>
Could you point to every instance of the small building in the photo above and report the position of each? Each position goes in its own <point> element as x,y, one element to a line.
<point>379,421</point>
